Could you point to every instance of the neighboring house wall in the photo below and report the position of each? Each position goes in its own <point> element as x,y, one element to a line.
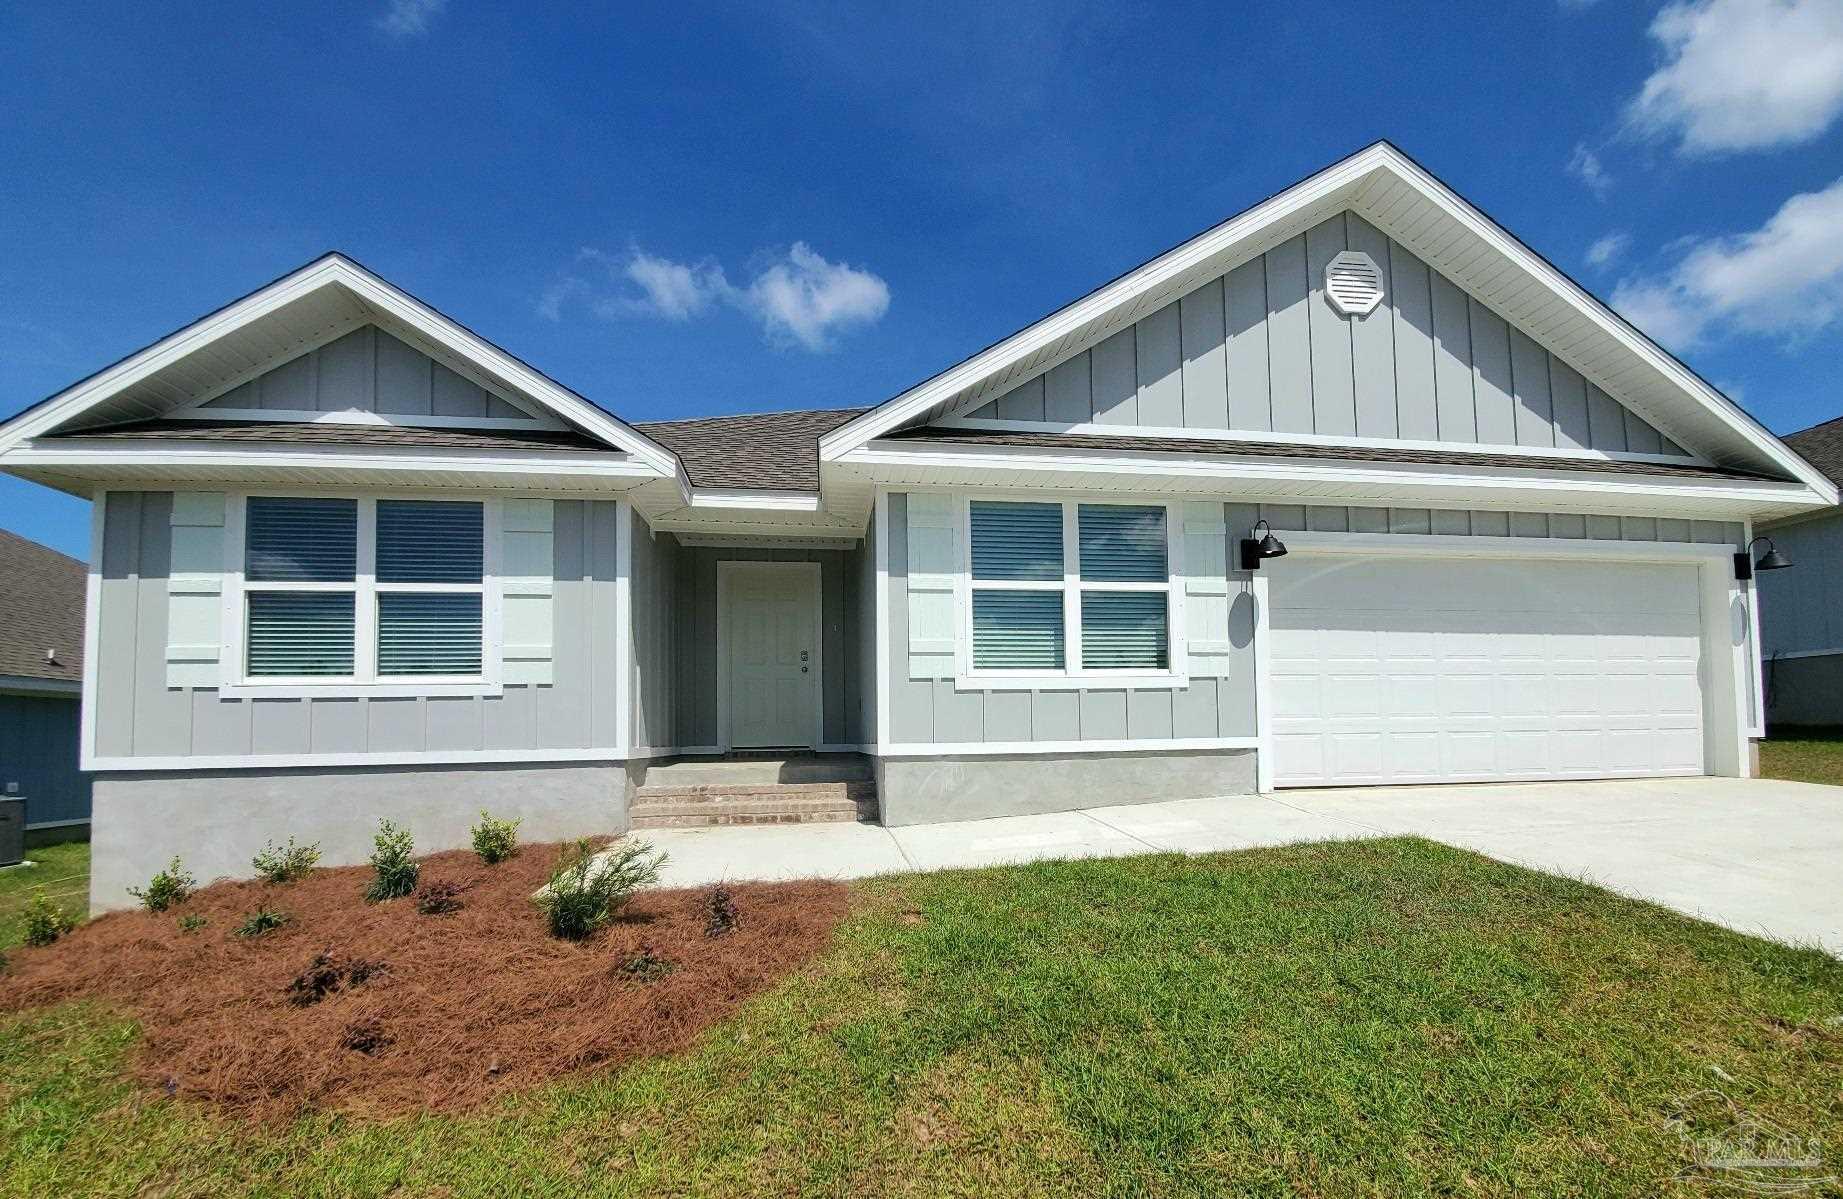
<point>38,753</point>
<point>1801,624</point>
<point>1262,350</point>
<point>841,575</point>
<point>139,716</point>
<point>367,370</point>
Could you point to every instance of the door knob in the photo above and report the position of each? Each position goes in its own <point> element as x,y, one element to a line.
<point>803,670</point>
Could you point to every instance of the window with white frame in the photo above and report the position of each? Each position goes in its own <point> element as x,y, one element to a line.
<point>359,590</point>
<point>1075,588</point>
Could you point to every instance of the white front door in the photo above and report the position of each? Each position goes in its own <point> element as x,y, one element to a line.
<point>770,648</point>
<point>1417,670</point>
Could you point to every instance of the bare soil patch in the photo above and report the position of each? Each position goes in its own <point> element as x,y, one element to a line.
<point>381,1010</point>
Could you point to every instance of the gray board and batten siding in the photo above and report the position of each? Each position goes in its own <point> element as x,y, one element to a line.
<point>139,715</point>
<point>1261,350</point>
<point>38,757</point>
<point>366,370</point>
<point>935,711</point>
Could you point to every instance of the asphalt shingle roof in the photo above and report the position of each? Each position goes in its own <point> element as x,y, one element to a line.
<point>1821,446</point>
<point>41,608</point>
<point>773,451</point>
<point>313,433</point>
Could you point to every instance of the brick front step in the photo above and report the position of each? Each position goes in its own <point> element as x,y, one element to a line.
<point>710,819</point>
<point>723,792</point>
<point>754,803</point>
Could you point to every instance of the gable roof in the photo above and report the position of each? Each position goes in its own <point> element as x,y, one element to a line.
<point>247,336</point>
<point>327,433</point>
<point>1402,199</point>
<point>41,608</point>
<point>1822,446</point>
<point>768,451</point>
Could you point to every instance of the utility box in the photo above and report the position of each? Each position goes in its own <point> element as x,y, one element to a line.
<point>12,830</point>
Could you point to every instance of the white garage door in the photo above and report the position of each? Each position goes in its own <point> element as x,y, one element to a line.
<point>1412,670</point>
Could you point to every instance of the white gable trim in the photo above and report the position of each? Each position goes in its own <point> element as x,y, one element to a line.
<point>337,270</point>
<point>1061,334</point>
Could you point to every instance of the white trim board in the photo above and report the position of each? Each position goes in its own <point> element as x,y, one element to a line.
<point>430,757</point>
<point>1041,748</point>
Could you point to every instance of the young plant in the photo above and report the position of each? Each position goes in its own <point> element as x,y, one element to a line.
<point>495,840</point>
<point>191,922</point>
<point>396,872</point>
<point>285,863</point>
<point>439,898</point>
<point>646,966</point>
<point>261,922</point>
<point>587,889</point>
<point>720,915</point>
<point>45,921</point>
<point>165,889</point>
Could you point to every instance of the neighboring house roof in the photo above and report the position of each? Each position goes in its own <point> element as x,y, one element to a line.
<point>41,608</point>
<point>1822,446</point>
<point>1239,448</point>
<point>770,451</point>
<point>331,433</point>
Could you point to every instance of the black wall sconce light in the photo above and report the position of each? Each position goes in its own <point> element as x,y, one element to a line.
<point>1772,559</point>
<point>1260,543</point>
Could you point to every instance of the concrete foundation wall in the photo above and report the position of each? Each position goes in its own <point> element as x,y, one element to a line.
<point>215,821</point>
<point>976,786</point>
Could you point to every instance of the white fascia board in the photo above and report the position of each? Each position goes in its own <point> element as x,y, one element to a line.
<point>1345,176</point>
<point>760,498</point>
<point>337,270</point>
<point>1246,475</point>
<point>78,452</point>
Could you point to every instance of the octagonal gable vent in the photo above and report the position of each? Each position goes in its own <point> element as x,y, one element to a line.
<point>1353,282</point>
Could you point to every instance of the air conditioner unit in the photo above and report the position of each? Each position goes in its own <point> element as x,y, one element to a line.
<point>12,830</point>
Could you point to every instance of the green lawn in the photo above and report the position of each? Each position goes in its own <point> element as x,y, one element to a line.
<point>1383,1018</point>
<point>1809,755</point>
<point>64,872</point>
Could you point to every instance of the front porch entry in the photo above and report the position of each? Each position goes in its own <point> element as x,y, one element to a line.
<point>768,646</point>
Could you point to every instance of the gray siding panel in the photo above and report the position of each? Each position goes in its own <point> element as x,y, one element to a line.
<point>138,715</point>
<point>1430,363</point>
<point>1799,610</point>
<point>38,757</point>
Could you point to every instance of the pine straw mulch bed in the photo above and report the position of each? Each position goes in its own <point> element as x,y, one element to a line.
<point>449,1011</point>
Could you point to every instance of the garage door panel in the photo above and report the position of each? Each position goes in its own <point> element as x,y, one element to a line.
<point>1506,669</point>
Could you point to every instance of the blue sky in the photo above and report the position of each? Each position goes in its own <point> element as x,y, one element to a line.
<point>687,211</point>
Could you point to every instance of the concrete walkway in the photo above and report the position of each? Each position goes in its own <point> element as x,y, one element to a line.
<point>1760,856</point>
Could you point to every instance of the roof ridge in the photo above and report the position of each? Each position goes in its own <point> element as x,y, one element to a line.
<point>704,420</point>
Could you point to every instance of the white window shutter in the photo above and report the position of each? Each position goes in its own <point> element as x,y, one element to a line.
<point>527,569</point>
<point>194,590</point>
<point>1206,590</point>
<point>934,562</point>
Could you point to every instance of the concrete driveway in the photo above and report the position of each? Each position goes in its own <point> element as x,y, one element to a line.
<point>1760,856</point>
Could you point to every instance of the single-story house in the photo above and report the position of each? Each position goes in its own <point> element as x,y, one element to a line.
<point>1353,488</point>
<point>41,681</point>
<point>1801,611</point>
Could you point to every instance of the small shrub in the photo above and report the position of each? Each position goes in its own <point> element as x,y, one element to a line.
<point>45,921</point>
<point>327,974</point>
<point>364,1036</point>
<point>585,889</point>
<point>285,863</point>
<point>171,886</point>
<point>439,898</point>
<point>495,840</point>
<point>396,872</point>
<point>644,966</point>
<point>261,922</point>
<point>720,915</point>
<point>191,922</point>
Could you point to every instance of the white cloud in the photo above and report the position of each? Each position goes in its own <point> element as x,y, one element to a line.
<point>804,298</point>
<point>797,296</point>
<point>1585,166</point>
<point>1607,249</point>
<point>1783,279</point>
<point>409,18</point>
<point>1743,74</point>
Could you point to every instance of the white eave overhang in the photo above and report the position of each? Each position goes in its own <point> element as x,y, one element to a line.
<point>900,463</point>
<point>1424,215</point>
